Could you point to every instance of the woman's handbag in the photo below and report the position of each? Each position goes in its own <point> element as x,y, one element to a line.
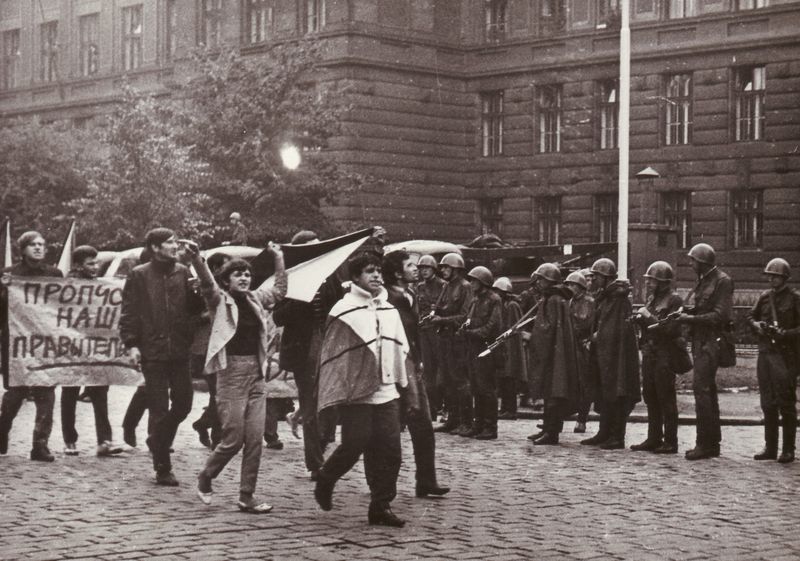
<point>680,361</point>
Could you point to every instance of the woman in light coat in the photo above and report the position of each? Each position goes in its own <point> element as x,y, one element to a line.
<point>238,352</point>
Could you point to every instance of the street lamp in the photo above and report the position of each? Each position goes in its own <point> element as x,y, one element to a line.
<point>290,156</point>
<point>645,179</point>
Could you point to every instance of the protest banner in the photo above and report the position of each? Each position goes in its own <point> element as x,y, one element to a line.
<point>66,332</point>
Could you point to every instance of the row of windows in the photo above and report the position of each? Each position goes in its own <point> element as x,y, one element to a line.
<point>748,94</point>
<point>675,209</point>
<point>256,24</point>
<point>556,16</point>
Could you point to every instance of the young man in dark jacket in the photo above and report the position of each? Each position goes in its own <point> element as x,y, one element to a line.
<point>156,326</point>
<point>32,247</point>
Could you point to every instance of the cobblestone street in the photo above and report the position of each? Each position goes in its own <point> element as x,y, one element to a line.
<point>510,500</point>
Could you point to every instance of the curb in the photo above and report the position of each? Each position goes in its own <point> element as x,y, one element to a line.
<point>724,421</point>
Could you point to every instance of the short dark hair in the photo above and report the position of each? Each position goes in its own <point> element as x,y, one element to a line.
<point>357,264</point>
<point>236,264</point>
<point>82,253</point>
<point>393,265</point>
<point>157,236</point>
<point>217,260</point>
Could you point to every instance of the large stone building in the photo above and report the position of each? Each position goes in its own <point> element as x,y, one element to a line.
<point>488,115</point>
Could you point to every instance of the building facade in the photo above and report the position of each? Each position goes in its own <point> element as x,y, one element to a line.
<point>488,115</point>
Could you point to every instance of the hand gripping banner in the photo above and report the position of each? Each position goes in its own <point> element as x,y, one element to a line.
<point>66,332</point>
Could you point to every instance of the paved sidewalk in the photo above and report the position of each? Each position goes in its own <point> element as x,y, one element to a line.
<point>510,501</point>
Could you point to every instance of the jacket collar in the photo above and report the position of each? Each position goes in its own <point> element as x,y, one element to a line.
<point>360,297</point>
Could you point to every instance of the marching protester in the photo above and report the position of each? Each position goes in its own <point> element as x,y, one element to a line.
<point>303,326</point>
<point>483,324</point>
<point>400,273</point>
<point>430,291</point>
<point>581,312</point>
<point>239,350</point>
<point>85,266</point>
<point>708,320</point>
<point>513,374</point>
<point>663,349</point>
<point>451,313</point>
<point>362,362</point>
<point>554,362</point>
<point>32,248</point>
<point>775,318</point>
<point>209,420</point>
<point>615,355</point>
<point>160,336</point>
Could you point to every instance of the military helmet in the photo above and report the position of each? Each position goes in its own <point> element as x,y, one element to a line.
<point>503,283</point>
<point>577,277</point>
<point>660,271</point>
<point>605,267</point>
<point>703,253</point>
<point>427,261</point>
<point>483,275</point>
<point>586,273</point>
<point>547,271</point>
<point>778,267</point>
<point>453,260</point>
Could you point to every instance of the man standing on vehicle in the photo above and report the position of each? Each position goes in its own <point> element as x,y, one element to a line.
<point>156,326</point>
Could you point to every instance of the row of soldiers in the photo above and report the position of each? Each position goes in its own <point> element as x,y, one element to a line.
<point>575,342</point>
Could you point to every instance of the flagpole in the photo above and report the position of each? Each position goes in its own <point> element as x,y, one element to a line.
<point>624,131</point>
<point>7,243</point>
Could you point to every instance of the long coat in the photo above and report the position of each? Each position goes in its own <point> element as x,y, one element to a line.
<point>615,351</point>
<point>554,361</point>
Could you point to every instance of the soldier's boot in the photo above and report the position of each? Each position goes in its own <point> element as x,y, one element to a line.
<point>619,421</point>
<point>41,453</point>
<point>604,432</point>
<point>653,439</point>
<point>770,451</point>
<point>789,432</point>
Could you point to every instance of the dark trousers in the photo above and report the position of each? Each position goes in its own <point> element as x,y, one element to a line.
<point>777,384</point>
<point>372,430</point>
<point>168,384</point>
<point>69,400</point>
<point>553,416</point>
<point>210,417</point>
<point>420,428</point>
<point>44,397</point>
<point>483,386</point>
<point>706,402</point>
<point>136,410</point>
<point>658,391</point>
<point>455,377</point>
<point>431,366</point>
<point>508,394</point>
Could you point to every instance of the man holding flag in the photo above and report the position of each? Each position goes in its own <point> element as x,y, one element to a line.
<point>33,249</point>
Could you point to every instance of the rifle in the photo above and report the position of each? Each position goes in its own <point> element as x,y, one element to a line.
<point>427,318</point>
<point>523,321</point>
<point>672,316</point>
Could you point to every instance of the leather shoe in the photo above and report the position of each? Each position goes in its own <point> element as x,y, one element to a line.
<point>166,478</point>
<point>766,454</point>
<point>535,435</point>
<point>435,490</point>
<point>486,434</point>
<point>546,439</point>
<point>700,453</point>
<point>469,432</point>
<point>323,493</point>
<point>613,444</point>
<point>42,454</point>
<point>646,446</point>
<point>594,440</point>
<point>275,445</point>
<point>385,517</point>
<point>202,434</point>
<point>786,457</point>
<point>666,449</point>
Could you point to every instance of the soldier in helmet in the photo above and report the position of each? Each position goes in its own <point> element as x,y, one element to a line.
<point>660,338</point>
<point>451,314</point>
<point>775,318</point>
<point>512,375</point>
<point>430,291</point>
<point>581,311</point>
<point>616,357</point>
<point>554,368</point>
<point>483,325</point>
<point>711,312</point>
